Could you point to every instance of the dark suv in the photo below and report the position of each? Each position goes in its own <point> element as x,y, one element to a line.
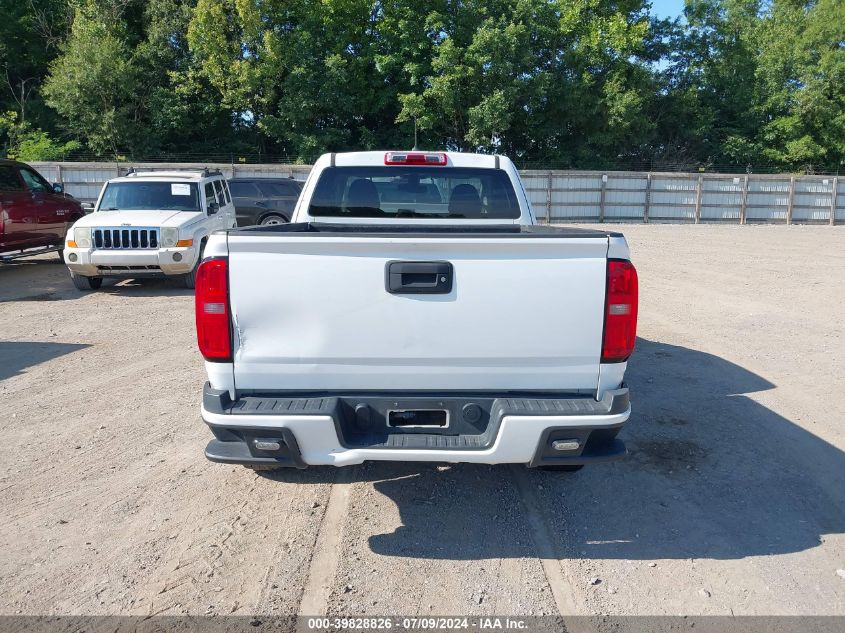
<point>264,201</point>
<point>34,215</point>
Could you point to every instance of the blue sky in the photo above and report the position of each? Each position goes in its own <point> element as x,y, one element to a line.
<point>667,8</point>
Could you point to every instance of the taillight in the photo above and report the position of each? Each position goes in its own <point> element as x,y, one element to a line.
<point>415,158</point>
<point>212,307</point>
<point>620,312</point>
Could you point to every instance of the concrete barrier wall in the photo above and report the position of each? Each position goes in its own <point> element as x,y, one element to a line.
<point>579,196</point>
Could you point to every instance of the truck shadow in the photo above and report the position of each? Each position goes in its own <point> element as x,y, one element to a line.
<point>712,474</point>
<point>16,356</point>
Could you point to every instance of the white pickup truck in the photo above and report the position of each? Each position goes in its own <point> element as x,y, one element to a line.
<point>413,311</point>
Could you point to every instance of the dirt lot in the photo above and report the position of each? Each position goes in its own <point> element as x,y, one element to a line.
<point>731,500</point>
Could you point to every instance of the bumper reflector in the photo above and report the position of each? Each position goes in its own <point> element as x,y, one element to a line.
<point>566,445</point>
<point>267,445</point>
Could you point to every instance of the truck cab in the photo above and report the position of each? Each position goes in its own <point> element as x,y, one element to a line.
<point>34,215</point>
<point>149,224</point>
<point>414,311</point>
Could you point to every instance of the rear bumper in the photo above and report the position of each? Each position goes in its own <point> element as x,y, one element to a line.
<point>286,430</point>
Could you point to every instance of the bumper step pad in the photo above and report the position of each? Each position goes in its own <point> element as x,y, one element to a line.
<point>360,421</point>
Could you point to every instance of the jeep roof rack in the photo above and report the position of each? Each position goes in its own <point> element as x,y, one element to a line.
<point>179,173</point>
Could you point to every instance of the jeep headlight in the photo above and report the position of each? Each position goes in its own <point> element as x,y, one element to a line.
<point>169,237</point>
<point>82,237</point>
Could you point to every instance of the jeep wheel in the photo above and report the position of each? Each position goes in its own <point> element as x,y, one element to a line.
<point>273,220</point>
<point>190,279</point>
<point>86,283</point>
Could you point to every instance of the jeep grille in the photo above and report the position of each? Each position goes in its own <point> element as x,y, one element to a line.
<point>114,238</point>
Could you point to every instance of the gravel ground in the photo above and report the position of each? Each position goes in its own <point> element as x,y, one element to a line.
<point>731,501</point>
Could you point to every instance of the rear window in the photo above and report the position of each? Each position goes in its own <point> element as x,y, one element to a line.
<point>414,192</point>
<point>143,196</point>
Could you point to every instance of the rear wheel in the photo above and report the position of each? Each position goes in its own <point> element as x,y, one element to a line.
<point>86,283</point>
<point>273,220</point>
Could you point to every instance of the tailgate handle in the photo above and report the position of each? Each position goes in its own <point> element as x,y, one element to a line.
<point>433,278</point>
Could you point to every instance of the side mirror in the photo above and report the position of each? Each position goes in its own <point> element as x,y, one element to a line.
<point>58,188</point>
<point>213,207</point>
<point>88,207</point>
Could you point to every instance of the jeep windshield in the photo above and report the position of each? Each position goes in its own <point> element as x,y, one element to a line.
<point>147,196</point>
<point>414,192</point>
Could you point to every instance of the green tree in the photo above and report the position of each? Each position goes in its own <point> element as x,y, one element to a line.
<point>30,33</point>
<point>541,79</point>
<point>125,80</point>
<point>708,113</point>
<point>27,143</point>
<point>802,84</point>
<point>593,83</point>
<point>753,83</point>
<point>551,81</point>
<point>303,74</point>
<point>93,84</point>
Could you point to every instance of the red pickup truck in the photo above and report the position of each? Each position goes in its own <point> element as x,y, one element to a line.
<point>34,215</point>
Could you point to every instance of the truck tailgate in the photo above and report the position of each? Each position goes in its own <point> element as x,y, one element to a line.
<point>312,312</point>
